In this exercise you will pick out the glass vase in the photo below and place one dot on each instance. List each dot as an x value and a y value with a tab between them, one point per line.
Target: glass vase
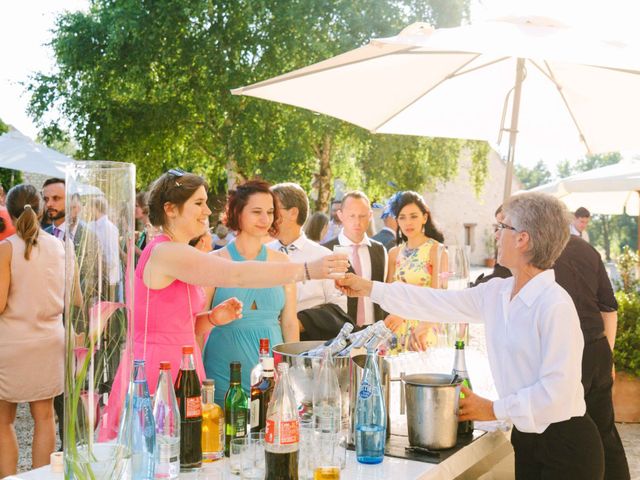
99	247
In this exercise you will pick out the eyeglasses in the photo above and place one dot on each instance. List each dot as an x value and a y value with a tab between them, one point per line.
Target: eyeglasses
176	172
503	226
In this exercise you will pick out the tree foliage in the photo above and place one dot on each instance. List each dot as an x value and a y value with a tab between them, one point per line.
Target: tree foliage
533	177
148	82
8	177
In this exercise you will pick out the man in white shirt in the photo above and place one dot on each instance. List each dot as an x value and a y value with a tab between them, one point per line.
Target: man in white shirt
293	207
578	226
109	239
371	260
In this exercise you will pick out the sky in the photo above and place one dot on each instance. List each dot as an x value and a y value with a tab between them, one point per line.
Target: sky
25	29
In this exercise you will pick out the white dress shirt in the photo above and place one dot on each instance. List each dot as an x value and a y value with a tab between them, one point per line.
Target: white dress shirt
574	231
108	237
365	263
311	292
534	342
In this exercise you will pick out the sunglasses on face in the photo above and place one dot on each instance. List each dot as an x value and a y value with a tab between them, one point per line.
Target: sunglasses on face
503	226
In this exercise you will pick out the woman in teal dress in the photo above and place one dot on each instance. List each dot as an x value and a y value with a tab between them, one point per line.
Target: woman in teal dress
267	312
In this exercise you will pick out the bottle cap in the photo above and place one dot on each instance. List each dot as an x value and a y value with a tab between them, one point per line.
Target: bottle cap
267	363
460	344
209	382
56	461
186	349
235	366
138	362
264	345
164	365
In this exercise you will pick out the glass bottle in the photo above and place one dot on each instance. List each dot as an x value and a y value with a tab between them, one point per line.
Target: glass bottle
263	352
236	408
167	419
327	413
143	427
261	394
371	417
282	436
460	370
212	424
190	405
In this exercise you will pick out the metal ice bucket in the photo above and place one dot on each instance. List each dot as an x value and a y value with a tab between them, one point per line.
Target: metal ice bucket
303	372
432	410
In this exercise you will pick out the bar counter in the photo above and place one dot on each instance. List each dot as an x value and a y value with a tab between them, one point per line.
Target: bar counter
472	461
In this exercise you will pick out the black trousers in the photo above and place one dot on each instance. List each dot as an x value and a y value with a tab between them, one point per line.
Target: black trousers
564	451
58	406
597	362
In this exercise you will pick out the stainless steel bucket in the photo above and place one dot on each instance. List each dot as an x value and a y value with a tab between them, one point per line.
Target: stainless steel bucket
432	410
303	372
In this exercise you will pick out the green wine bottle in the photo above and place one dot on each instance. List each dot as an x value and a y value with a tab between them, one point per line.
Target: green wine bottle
236	408
460	369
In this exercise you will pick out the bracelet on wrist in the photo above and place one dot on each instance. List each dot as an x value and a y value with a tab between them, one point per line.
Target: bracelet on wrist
307	276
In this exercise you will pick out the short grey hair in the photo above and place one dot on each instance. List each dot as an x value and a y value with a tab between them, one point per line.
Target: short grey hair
546	220
292	195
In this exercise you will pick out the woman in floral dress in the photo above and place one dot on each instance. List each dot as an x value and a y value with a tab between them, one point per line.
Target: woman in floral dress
414	260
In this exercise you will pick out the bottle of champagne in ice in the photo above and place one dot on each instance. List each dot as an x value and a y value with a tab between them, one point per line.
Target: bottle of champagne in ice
212	424
263	352
460	370
335	346
371	417
143	427
282	434
167	418
188	394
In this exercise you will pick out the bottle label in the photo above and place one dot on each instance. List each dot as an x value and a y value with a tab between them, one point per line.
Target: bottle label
289	432
254	414
193	407
239	419
365	390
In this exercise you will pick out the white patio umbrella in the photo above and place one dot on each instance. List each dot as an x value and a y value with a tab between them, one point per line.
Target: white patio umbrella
564	90
19	152
610	190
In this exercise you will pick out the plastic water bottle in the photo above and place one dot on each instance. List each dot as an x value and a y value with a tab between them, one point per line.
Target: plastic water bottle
371	417
167	419
143	426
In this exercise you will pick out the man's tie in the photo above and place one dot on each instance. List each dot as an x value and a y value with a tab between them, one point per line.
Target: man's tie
357	267
58	233
287	248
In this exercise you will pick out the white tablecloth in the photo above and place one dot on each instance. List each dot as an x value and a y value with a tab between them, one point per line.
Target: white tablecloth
488	450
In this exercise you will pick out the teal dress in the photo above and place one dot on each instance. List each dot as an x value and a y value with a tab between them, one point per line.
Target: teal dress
239	340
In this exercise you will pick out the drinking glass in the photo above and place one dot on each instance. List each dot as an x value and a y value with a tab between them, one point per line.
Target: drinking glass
454	268
341	250
306	453
237	450
253	462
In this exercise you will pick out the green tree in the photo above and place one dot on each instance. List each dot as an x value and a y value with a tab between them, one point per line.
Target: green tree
8	177
533	177
148	83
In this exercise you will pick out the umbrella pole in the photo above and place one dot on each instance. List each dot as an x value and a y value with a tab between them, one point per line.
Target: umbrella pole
513	128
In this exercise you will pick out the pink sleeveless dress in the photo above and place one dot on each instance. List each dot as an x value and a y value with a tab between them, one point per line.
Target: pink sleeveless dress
167	326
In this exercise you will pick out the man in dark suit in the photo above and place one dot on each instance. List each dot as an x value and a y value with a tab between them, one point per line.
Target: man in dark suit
368	257
387	236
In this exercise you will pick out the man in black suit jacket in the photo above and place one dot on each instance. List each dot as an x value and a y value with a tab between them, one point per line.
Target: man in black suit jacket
371	261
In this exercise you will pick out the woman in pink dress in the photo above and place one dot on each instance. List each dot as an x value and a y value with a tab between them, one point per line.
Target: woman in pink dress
168	283
32	333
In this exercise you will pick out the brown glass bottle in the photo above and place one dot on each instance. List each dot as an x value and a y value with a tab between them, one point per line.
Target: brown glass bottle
261	395
188	395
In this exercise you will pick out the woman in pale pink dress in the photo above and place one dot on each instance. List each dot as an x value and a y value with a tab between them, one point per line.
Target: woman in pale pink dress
32	333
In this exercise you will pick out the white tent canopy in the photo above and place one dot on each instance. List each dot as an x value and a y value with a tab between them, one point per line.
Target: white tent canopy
610	190
19	152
